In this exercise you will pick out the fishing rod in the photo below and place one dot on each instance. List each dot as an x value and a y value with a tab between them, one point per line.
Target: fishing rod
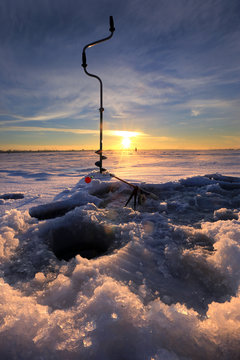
137	193
101	109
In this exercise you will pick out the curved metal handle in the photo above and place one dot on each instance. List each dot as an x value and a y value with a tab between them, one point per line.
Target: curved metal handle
112	28
84	58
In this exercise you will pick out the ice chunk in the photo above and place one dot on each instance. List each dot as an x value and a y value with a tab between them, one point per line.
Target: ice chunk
225	214
197	181
13	196
59	208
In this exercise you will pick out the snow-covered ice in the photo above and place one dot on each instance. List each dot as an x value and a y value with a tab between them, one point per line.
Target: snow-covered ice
97	280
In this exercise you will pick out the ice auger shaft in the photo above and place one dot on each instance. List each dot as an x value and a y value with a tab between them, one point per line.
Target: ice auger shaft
101	109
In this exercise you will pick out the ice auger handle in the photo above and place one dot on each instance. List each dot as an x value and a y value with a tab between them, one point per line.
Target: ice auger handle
112	28
84	60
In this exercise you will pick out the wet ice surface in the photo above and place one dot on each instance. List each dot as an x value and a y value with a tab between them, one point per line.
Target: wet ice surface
161	282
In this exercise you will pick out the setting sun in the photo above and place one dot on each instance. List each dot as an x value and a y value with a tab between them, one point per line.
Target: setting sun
126	142
126	138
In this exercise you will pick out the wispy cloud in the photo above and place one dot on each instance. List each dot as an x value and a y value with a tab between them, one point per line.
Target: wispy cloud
195	112
162	138
234	138
128	134
74	131
22	119
46	129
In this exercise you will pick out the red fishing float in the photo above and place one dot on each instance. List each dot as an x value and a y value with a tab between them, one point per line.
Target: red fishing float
88	179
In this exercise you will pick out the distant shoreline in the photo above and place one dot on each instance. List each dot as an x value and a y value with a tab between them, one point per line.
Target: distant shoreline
40	151
81	150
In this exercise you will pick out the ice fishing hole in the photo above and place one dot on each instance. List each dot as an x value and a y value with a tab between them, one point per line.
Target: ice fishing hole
88	239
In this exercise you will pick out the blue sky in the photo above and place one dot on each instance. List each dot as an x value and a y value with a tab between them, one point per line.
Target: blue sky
171	73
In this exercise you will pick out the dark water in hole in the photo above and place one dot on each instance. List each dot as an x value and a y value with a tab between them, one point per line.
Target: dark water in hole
90	240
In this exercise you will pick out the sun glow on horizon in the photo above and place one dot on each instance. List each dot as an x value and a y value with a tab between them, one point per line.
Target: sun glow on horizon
126	142
126	136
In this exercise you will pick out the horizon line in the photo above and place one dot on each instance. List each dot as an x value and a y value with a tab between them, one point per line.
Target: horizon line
125	150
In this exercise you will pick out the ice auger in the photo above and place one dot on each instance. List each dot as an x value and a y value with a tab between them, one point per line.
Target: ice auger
101	109
137	193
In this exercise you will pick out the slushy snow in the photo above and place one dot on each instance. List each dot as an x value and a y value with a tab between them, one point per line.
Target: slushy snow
103	281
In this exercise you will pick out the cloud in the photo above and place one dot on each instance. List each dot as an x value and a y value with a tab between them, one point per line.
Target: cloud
128	134
46	117
195	112
215	108
162	138
234	138
45	129
74	131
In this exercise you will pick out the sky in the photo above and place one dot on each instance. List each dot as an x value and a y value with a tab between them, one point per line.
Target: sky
171	74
